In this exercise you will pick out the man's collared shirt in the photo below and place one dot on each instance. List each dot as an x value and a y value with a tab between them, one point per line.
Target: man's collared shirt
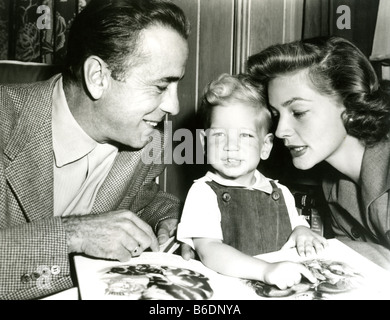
80	163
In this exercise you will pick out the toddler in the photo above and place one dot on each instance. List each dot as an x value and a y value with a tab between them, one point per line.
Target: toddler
234	212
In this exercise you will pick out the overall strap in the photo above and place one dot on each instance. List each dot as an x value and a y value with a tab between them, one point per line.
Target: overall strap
252	221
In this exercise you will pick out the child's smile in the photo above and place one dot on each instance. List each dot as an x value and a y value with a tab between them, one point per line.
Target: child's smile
235	142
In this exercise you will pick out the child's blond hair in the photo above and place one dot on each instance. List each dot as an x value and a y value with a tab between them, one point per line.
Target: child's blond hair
227	89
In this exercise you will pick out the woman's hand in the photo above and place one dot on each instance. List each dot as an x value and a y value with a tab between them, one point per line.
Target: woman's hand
306	241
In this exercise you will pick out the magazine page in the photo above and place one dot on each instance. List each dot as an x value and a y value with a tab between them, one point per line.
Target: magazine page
340	271
156	276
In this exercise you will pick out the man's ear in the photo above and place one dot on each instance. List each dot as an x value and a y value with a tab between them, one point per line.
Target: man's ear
267	146
96	75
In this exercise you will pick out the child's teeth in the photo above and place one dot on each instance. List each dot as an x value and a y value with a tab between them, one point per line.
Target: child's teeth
152	123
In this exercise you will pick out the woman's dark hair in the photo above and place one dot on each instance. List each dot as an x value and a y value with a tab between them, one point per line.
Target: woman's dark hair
336	67
227	89
110	29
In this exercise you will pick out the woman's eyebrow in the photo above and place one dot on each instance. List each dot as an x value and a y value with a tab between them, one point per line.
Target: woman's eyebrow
292	100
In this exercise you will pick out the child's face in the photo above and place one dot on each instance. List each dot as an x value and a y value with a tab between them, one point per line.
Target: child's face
236	142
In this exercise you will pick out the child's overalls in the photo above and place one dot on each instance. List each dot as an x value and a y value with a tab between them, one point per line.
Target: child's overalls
252	221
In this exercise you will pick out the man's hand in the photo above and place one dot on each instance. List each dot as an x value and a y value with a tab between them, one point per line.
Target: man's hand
112	235
166	229
187	252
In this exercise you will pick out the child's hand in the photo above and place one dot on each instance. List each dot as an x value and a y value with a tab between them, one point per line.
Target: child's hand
306	241
286	274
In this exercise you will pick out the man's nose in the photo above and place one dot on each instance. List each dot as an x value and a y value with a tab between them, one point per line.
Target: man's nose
170	104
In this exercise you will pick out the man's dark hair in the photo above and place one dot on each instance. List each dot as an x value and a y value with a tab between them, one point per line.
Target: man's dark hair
110	29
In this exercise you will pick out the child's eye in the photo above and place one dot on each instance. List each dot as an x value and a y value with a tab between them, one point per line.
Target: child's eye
246	135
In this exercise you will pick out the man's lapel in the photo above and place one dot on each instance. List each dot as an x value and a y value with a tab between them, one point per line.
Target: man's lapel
131	170
119	180
30	170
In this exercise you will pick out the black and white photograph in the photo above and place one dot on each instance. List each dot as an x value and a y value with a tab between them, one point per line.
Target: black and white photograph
199	150
340	274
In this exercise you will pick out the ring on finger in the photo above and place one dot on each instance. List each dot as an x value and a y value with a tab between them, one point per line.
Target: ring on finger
135	250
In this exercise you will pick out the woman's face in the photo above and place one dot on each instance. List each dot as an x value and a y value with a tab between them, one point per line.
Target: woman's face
310	123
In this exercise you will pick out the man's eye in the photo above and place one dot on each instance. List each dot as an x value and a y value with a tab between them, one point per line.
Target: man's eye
218	134
162	88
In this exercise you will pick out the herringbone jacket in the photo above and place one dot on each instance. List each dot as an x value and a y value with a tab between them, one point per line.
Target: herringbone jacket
31	238
362	213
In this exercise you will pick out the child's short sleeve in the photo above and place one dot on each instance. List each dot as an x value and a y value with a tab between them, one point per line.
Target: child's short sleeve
201	217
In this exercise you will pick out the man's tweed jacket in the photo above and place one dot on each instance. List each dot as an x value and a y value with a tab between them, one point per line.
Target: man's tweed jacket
31	239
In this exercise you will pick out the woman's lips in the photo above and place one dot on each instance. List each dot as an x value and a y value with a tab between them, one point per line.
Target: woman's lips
297	151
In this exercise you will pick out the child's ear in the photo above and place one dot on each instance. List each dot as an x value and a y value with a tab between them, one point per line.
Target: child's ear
267	146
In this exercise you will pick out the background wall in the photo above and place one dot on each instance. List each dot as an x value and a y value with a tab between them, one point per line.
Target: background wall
224	33
22	40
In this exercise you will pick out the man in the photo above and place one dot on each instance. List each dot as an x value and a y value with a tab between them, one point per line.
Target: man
71	172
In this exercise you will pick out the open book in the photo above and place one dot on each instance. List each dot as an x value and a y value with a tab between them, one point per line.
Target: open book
341	273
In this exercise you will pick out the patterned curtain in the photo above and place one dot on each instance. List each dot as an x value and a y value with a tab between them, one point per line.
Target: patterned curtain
36	30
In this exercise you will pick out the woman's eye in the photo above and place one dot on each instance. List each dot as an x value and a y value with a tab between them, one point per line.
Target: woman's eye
298	114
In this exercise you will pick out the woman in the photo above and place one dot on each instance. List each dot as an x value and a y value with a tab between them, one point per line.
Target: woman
330	107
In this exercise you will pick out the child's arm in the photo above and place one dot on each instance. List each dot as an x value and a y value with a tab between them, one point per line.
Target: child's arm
306	241
228	261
